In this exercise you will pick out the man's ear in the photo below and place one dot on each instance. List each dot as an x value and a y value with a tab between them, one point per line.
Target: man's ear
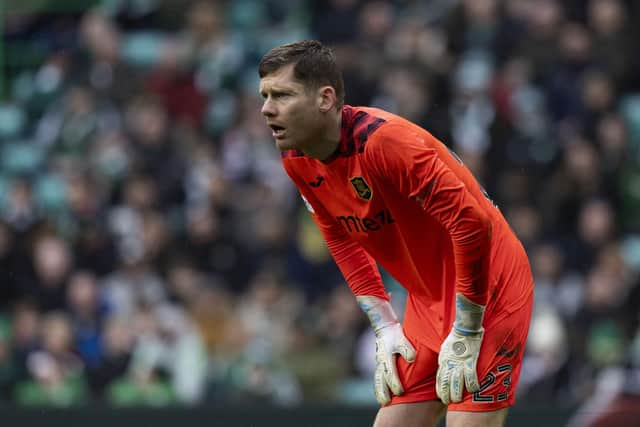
326	98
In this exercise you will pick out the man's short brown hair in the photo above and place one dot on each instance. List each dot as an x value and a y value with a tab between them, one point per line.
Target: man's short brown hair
314	65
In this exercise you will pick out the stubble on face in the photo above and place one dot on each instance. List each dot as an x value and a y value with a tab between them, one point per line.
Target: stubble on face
289	108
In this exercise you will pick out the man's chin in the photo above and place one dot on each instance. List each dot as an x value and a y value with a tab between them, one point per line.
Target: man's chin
283	145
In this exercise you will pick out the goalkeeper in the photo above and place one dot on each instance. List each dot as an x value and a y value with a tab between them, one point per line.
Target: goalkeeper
383	190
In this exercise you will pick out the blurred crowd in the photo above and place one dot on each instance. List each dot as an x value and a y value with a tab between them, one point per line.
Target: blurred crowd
153	252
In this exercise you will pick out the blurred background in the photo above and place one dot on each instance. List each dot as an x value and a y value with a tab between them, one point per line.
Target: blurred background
153	253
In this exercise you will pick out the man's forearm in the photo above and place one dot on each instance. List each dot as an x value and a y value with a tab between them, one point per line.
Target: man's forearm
359	270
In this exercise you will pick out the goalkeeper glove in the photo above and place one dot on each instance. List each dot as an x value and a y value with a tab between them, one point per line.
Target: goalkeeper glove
458	358
390	340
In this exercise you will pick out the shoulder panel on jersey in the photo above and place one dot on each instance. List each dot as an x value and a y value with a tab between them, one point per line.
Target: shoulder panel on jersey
364	125
357	127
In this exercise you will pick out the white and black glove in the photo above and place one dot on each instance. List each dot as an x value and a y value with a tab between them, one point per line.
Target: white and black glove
390	340
458	358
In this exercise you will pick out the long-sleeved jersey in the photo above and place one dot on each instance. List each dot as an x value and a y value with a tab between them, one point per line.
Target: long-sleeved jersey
393	194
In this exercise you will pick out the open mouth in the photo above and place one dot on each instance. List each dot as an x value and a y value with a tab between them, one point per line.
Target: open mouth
278	131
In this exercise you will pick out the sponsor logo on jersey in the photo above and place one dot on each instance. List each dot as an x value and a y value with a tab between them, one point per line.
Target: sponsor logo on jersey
355	224
362	188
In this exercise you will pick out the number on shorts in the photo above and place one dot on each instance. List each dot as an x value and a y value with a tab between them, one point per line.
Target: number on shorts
488	382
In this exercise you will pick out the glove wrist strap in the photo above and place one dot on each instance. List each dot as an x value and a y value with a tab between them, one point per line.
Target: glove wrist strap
468	316
379	311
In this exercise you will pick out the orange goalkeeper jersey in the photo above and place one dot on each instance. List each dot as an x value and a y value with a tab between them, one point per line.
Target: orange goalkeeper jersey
393	194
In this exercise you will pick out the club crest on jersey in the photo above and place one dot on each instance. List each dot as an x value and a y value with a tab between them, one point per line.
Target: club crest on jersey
362	188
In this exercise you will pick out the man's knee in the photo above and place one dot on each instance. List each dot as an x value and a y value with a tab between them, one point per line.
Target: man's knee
477	419
418	414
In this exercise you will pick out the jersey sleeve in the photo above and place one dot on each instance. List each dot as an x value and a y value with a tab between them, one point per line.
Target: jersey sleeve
413	164
358	268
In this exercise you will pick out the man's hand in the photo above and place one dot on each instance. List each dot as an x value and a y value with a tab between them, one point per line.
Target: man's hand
390	340
458	358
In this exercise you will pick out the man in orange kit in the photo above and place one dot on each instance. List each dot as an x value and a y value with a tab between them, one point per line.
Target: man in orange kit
383	190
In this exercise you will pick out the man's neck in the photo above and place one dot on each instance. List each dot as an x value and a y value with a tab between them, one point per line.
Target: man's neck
328	143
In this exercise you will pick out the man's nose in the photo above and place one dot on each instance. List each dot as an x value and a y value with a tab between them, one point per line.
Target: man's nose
267	109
